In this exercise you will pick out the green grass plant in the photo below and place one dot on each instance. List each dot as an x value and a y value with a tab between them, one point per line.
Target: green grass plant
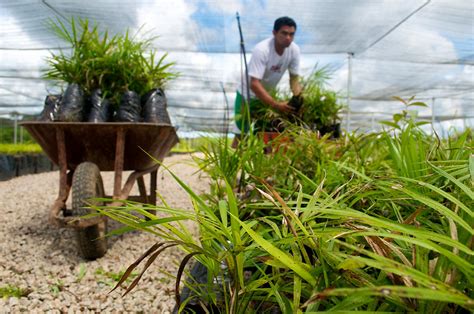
320	105
56	287
12	291
82	272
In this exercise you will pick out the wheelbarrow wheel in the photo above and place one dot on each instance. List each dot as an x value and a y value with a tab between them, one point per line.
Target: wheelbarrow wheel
86	185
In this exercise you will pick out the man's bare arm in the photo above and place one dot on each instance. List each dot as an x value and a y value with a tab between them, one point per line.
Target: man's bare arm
295	85
261	93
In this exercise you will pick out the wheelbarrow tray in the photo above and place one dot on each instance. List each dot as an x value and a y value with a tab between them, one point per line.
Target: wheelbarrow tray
96	142
82	150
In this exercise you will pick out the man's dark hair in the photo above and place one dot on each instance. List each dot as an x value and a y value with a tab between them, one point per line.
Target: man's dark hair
283	21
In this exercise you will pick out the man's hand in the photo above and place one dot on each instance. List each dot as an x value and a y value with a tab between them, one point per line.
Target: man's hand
283	107
265	97
296	102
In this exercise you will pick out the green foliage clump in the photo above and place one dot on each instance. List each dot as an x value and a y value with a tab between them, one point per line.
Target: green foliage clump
10	291
190	145
20	149
318	107
114	64
7	132
376	222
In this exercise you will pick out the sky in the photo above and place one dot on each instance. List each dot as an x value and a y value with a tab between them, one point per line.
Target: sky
399	47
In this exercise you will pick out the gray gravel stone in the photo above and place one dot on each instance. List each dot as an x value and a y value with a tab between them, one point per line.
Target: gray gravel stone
43	259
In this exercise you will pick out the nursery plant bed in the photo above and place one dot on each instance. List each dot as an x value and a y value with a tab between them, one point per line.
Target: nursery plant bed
18	164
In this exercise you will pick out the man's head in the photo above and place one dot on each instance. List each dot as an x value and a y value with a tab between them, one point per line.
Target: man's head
284	31
283	21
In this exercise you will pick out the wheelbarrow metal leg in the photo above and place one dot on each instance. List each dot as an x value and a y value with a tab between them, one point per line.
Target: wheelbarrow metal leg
119	155
142	189
153	176
65	180
131	181
152	196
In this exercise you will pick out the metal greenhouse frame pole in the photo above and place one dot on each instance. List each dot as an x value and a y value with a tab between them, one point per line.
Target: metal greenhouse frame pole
242	50
349	87
15	127
245	104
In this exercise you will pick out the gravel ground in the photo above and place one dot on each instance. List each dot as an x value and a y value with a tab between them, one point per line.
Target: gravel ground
43	261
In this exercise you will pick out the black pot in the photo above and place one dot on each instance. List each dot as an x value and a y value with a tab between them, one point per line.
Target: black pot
333	129
198	277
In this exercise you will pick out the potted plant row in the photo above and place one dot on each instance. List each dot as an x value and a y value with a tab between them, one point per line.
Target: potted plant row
108	78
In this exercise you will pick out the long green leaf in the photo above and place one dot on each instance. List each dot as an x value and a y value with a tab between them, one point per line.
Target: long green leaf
471	166
463	265
461	185
440	208
283	257
447	195
234	223
394	227
402	292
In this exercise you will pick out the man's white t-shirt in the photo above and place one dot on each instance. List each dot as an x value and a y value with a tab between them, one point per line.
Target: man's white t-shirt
268	66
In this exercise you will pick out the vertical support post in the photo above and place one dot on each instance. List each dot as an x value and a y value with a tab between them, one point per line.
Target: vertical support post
15	128
349	87
433	115
118	166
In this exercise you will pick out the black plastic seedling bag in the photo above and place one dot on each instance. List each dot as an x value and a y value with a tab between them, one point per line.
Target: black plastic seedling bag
100	107
130	107
72	104
296	102
198	279
51	108
154	108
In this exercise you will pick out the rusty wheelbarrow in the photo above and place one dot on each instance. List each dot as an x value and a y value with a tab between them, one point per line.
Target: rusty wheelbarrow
82	150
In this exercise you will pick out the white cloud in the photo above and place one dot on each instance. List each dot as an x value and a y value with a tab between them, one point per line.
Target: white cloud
228	6
172	22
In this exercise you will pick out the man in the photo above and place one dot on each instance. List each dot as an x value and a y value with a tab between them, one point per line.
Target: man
270	60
